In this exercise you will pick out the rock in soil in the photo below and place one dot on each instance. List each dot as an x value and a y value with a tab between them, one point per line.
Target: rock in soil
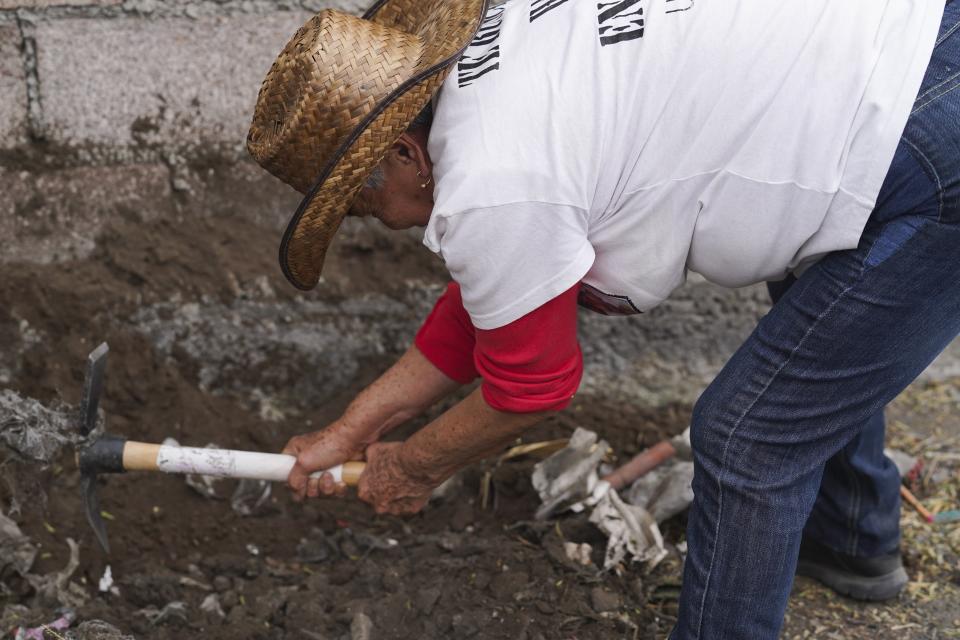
603	600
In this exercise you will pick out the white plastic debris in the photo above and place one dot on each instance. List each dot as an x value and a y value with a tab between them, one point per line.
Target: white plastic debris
106	581
568	479
172	610
16	550
904	461
631	530
250	497
33	432
57	587
211	604
579	553
253	549
681	443
665	491
40	633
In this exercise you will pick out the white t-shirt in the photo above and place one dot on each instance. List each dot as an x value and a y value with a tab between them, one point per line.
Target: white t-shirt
623	142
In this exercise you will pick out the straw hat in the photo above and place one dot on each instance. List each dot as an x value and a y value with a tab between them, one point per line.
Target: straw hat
339	95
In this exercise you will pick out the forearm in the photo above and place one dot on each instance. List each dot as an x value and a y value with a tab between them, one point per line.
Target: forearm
403	392
467	433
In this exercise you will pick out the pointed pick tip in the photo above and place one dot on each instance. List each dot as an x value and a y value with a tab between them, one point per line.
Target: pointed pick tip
91	503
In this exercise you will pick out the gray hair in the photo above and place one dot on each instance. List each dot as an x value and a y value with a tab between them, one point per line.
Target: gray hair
424	119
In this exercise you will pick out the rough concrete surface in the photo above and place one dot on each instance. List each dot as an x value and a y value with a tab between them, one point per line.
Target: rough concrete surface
57	216
168	83
40	4
13	89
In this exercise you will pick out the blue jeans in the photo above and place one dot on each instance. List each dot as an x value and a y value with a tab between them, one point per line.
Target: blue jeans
788	439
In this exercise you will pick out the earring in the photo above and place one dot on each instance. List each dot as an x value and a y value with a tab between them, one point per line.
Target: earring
423	185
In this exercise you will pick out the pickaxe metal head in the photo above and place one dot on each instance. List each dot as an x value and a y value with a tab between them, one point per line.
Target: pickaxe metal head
92	457
92	388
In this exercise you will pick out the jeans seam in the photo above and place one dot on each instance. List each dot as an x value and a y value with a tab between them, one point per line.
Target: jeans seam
946	34
726	446
919	107
932	171
853	539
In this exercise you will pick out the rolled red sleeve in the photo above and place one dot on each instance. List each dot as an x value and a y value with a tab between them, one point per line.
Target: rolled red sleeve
534	363
447	339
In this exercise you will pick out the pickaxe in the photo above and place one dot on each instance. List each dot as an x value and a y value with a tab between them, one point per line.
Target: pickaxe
113	454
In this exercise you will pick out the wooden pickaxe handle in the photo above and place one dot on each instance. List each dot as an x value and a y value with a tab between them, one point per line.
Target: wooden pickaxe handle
224	463
111	455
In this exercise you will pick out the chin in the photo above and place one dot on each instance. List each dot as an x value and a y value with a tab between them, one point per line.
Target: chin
396	225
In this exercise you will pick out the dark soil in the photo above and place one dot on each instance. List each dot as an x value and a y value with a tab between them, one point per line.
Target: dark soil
329	569
456	570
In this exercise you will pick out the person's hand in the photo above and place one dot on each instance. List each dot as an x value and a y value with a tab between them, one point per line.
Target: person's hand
320	450
388	485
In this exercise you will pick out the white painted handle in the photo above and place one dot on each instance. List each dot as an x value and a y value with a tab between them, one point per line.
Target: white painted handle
227	463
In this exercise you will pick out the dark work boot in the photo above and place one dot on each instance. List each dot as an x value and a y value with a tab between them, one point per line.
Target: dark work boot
876	578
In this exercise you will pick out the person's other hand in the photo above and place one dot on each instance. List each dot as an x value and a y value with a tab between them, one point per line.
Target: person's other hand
388	485
320	450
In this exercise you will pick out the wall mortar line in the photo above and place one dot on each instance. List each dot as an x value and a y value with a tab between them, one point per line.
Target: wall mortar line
36	128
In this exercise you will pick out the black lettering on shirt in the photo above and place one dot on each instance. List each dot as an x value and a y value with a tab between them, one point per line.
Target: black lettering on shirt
541	7
619	21
673	6
483	54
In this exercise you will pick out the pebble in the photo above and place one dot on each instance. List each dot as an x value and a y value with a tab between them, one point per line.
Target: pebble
361	628
426	599
222	583
603	600
236	616
391	580
318	582
229	599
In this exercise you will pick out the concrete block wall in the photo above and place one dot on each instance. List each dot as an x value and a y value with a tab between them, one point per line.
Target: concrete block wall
13	88
108	81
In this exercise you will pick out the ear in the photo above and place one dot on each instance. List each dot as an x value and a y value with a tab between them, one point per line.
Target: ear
411	150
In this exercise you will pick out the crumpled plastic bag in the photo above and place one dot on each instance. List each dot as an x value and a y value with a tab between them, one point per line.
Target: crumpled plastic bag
56	588
665	491
16	550
32	432
630	530
40	633
568	479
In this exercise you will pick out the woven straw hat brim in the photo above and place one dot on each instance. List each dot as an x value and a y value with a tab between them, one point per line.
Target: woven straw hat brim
312	227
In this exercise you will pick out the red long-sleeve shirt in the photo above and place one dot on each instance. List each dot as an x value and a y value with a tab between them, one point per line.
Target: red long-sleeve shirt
532	364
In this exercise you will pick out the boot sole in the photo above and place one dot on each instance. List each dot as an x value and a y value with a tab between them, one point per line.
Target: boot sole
871	589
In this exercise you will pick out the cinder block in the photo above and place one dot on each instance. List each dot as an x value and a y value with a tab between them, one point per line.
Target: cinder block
56	216
13	89
150	83
42	4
